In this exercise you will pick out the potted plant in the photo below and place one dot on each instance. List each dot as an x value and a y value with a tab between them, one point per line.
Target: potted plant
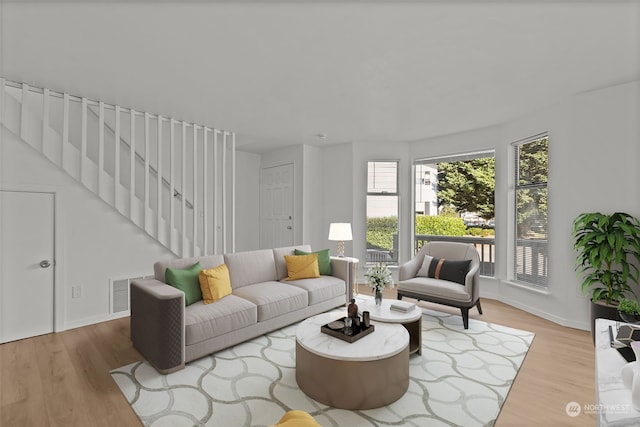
629	310
378	278
608	247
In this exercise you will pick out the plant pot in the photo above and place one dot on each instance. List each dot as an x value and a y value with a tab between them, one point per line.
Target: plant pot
602	310
629	318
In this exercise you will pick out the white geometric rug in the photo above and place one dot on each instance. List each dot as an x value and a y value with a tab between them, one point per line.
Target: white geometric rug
461	379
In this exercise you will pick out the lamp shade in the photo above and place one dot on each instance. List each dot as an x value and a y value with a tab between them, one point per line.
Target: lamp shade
340	231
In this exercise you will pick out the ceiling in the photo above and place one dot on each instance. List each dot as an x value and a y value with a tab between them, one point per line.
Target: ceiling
282	72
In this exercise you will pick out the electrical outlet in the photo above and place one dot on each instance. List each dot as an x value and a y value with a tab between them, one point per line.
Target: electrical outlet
76	292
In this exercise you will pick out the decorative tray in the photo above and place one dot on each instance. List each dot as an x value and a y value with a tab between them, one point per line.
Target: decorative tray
335	330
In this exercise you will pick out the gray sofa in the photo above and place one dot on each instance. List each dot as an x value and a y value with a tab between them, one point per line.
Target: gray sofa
168	334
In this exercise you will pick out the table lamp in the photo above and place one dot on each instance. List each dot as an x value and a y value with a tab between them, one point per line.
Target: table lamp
339	232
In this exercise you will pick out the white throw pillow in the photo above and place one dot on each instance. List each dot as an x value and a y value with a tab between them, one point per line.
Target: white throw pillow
424	269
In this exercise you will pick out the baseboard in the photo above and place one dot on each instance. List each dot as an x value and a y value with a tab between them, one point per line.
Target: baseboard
545	315
489	288
87	321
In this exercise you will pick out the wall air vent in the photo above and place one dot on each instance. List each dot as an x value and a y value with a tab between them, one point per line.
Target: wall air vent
119	294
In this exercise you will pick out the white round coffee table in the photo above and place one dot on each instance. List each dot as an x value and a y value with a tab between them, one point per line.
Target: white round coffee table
411	320
368	373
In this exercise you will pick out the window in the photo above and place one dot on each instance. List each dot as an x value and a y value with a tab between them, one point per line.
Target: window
531	207
382	212
454	202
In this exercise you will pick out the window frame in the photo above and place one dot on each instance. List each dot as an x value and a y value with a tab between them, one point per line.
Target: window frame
492	268
515	175
382	193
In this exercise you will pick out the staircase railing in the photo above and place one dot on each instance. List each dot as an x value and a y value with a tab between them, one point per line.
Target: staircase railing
177	194
138	162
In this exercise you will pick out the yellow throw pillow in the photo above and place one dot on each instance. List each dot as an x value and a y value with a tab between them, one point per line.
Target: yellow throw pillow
215	283
297	418
302	266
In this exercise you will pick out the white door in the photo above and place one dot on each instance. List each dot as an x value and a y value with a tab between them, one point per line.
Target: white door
26	264
276	206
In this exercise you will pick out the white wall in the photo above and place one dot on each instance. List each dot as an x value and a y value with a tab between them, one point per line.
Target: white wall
337	193
312	206
344	179
594	152
593	149
94	242
247	201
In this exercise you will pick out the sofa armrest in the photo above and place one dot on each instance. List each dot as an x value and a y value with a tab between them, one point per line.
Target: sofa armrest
340	268
409	269
471	281
343	268
157	323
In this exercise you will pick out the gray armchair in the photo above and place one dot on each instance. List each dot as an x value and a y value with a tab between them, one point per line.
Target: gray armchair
433	283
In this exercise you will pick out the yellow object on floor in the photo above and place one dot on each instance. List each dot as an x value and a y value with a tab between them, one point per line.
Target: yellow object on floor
297	419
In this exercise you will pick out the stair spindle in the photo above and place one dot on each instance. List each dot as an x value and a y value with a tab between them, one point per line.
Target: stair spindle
46	142
172	188
159	180
146	174
205	201
83	144
116	156
183	172
100	148
194	202
65	131
132	165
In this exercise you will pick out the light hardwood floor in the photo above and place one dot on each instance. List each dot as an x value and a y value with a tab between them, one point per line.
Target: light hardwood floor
63	379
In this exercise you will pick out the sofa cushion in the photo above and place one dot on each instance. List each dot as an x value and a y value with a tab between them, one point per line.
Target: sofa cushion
208	261
274	298
440	268
322	289
324	260
203	322
435	287
278	256
186	279
248	268
302	266
214	283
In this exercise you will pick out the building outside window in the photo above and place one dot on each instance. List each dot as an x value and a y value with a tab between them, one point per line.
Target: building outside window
531	208
382	212
455	201
426	202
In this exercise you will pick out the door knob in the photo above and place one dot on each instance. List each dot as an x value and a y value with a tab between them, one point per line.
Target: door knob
45	263
288	227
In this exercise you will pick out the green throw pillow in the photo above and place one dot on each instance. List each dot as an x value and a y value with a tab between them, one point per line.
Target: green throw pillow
324	260
187	281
